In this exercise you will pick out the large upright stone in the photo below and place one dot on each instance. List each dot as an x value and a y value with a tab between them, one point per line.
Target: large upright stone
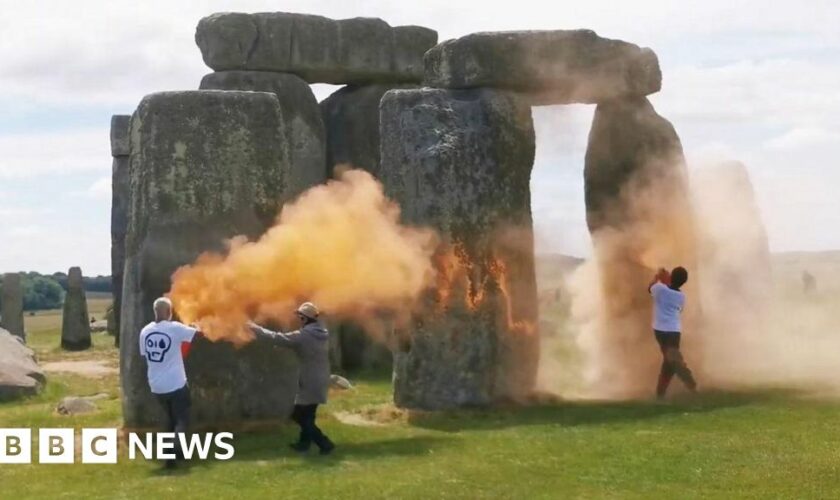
639	214
732	240
20	375
119	213
120	140
12	305
554	67
205	166
303	128
75	322
351	115
460	161
318	49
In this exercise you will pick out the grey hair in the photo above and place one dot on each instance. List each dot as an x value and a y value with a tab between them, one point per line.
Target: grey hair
162	304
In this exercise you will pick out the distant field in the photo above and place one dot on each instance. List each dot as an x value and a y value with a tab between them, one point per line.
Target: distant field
43	328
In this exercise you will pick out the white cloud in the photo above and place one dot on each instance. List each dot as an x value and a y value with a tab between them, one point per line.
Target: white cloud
23	231
800	138
50	247
60	52
32	154
785	92
99	190
751	80
8	213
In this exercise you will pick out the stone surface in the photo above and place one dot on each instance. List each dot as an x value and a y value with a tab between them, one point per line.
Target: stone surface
75	322
639	213
460	161
11	314
351	116
119	213
303	128
554	67
73	405
318	49
205	166
119	135
19	373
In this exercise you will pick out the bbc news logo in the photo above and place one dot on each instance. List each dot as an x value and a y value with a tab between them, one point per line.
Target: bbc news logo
100	446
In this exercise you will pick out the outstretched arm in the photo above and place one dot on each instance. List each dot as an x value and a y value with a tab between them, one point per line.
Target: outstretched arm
279	338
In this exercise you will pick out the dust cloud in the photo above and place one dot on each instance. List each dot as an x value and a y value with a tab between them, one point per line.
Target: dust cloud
750	321
339	245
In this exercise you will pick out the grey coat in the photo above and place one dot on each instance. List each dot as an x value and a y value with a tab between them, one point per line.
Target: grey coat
312	346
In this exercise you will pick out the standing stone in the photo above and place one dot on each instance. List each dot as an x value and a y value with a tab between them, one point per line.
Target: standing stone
639	214
12	312
460	161
20	375
359	351
351	115
205	166
119	214
318	49
733	239
303	128
75	322
552	67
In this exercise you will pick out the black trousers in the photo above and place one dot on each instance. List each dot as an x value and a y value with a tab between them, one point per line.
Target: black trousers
672	362
304	416
176	406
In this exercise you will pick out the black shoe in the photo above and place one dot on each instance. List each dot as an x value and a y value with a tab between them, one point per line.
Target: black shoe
299	447
327	448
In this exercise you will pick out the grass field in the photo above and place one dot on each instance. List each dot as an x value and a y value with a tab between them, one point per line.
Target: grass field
758	444
43	331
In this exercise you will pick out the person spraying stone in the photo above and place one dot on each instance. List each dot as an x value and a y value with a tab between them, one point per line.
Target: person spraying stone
160	344
311	343
668	303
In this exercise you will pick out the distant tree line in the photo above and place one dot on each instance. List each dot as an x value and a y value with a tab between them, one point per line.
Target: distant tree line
90	284
47	291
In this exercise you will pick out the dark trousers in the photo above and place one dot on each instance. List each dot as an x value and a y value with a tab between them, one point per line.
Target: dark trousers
304	416
672	362
176	407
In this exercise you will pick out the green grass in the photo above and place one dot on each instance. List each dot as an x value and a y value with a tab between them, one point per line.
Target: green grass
760	444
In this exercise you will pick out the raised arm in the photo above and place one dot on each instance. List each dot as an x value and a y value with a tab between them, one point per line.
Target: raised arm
660	277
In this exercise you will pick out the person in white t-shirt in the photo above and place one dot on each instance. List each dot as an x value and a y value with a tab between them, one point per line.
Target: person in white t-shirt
160	345
668	303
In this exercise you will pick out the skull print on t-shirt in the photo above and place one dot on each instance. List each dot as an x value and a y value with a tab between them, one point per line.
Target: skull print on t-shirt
157	345
165	366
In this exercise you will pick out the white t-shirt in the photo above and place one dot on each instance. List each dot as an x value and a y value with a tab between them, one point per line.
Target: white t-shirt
160	344
667	306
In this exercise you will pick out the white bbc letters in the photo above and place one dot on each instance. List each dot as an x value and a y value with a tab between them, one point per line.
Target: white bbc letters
56	446
15	446
99	446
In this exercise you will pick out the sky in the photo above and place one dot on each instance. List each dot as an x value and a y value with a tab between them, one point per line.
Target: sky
744	80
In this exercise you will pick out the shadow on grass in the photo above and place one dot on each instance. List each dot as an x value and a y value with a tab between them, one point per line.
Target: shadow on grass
265	447
578	413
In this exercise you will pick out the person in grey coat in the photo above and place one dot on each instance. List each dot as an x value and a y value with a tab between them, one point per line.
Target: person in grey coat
311	343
